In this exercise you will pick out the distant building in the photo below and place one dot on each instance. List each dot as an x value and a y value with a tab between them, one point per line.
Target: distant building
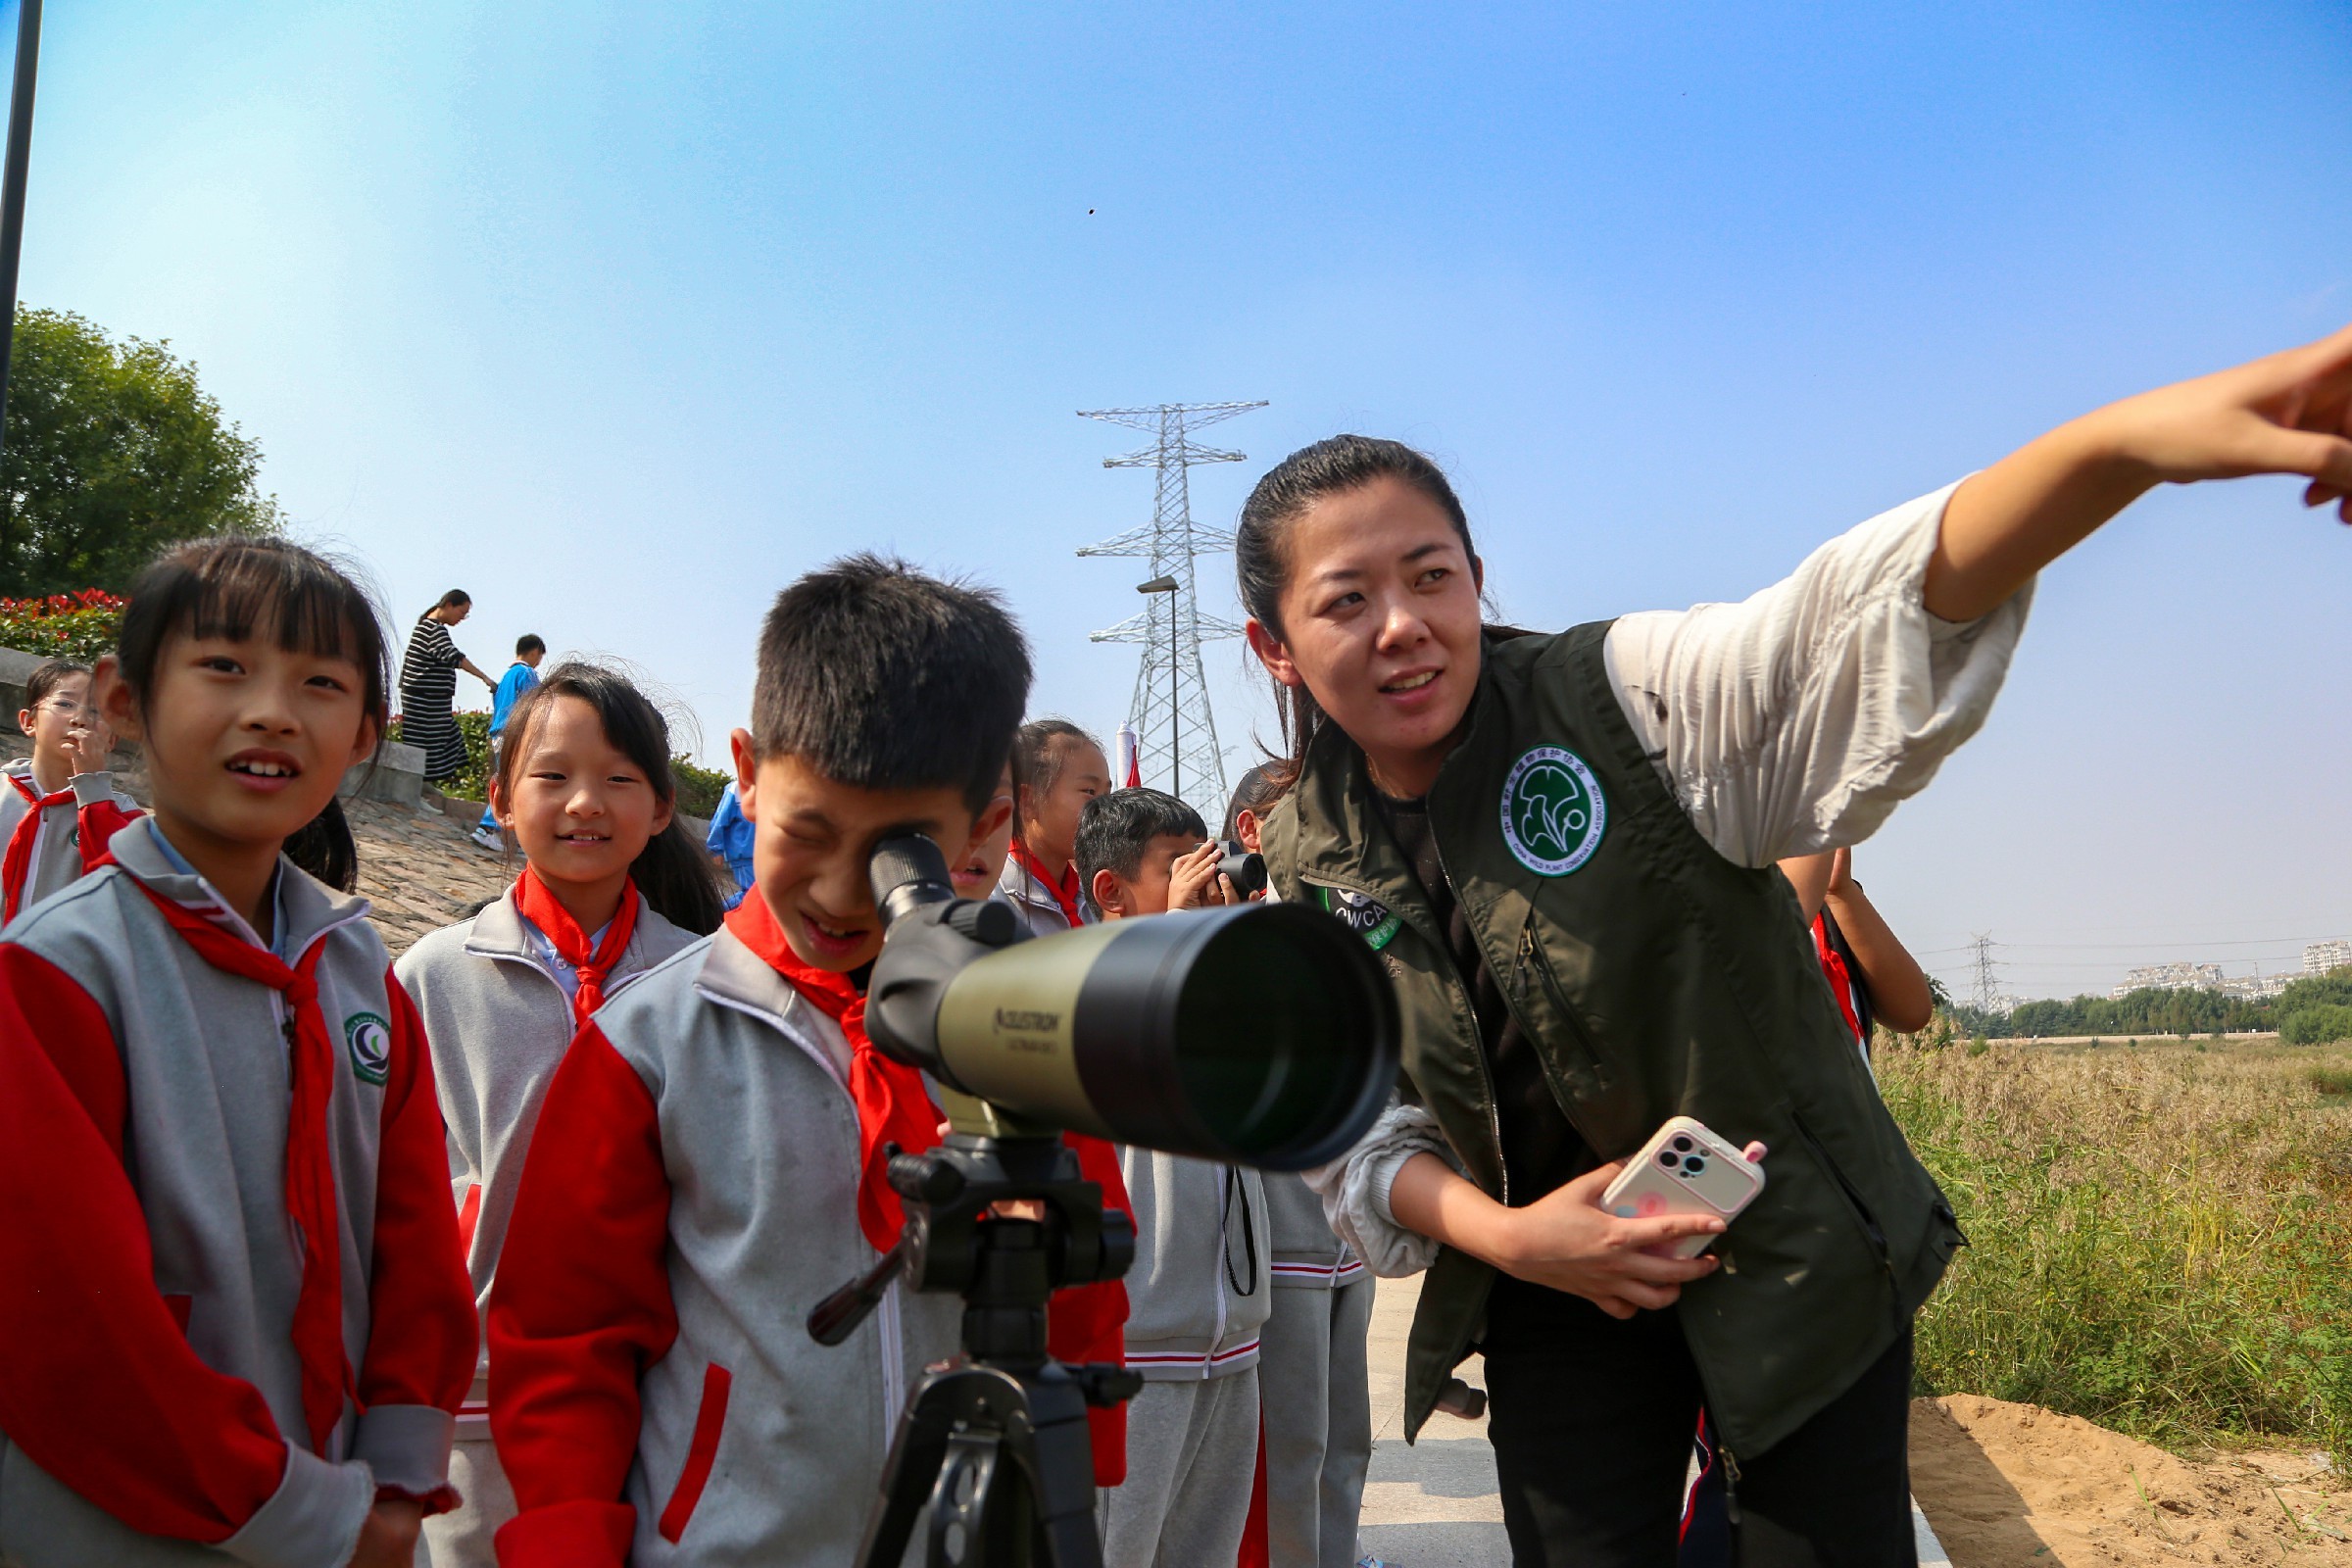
2320	956
2257	987
2170	977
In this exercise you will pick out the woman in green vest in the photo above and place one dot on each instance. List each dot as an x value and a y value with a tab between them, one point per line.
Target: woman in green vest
1562	849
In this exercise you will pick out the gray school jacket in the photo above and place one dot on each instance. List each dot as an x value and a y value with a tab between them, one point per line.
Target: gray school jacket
57	858
753	1442
1035	902
499	1022
189	1063
1197	1293
1307	1256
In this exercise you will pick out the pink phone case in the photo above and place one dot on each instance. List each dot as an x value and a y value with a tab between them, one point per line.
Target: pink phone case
1685	1169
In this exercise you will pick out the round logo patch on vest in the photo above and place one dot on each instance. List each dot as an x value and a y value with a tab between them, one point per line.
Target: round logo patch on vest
369	1038
1552	810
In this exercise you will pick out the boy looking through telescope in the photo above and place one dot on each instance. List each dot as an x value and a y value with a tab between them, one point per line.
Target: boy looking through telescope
710	1161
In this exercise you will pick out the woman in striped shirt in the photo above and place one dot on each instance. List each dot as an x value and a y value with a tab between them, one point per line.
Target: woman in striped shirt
428	686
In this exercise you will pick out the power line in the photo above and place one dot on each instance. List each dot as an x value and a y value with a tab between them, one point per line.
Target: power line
2136	947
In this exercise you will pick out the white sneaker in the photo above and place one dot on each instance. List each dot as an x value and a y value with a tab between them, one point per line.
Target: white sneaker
495	842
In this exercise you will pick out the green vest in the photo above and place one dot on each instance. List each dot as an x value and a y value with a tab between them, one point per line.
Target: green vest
1655	978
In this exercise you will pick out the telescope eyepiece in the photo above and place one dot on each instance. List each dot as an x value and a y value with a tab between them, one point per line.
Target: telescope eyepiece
908	872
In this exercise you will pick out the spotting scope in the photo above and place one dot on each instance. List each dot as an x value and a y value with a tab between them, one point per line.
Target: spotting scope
1260	1033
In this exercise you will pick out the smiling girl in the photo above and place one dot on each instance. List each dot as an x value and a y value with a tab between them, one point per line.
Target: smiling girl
1568	842
612	885
233	1310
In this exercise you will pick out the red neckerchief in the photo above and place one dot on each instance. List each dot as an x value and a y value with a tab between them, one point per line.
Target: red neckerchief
1841	981
546	912
317	1332
1065	891
893	1106
16	870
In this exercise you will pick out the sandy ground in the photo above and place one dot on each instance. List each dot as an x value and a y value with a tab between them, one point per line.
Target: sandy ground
1994	1486
2013	1486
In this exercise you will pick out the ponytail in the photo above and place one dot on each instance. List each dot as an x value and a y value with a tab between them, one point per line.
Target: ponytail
674	873
325	847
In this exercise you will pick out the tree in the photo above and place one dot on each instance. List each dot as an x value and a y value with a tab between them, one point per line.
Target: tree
113	451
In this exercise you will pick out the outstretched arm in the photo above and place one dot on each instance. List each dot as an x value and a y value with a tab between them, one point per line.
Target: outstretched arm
2289	412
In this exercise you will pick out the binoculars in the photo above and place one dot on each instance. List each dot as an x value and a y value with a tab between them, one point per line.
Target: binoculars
1246	868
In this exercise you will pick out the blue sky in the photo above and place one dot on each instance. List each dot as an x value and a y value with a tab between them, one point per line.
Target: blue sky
620	317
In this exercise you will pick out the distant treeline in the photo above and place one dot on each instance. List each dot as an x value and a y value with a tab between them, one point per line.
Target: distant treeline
2307	1012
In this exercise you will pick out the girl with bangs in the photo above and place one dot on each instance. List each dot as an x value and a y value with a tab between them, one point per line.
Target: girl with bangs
612	884
234	1323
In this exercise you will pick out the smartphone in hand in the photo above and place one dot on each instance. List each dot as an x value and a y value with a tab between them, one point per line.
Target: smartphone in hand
1685	1169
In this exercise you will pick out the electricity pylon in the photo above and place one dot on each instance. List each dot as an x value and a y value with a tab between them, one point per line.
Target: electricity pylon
1178	733
1988	984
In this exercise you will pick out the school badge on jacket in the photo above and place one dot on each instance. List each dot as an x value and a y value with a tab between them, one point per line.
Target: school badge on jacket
369	1038
1553	812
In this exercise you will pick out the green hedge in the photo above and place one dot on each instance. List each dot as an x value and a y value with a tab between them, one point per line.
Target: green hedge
2317	1025
698	788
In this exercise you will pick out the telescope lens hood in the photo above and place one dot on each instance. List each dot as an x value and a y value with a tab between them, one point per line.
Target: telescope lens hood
1262	1035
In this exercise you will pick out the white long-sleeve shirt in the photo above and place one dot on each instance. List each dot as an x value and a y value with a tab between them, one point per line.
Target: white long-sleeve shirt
1794	721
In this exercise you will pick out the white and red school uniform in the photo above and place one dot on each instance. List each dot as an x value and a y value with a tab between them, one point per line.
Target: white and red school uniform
705	1170
233	1309
1045	904
51	839
501	995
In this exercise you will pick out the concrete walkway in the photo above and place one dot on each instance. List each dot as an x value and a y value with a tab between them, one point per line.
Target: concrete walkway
1435	1503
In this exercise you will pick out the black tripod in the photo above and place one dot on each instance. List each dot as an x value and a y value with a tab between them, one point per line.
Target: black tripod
1004	1404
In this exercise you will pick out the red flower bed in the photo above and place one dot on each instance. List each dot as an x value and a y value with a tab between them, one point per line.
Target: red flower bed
78	626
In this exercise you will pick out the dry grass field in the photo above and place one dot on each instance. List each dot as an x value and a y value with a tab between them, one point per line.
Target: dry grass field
2161	1234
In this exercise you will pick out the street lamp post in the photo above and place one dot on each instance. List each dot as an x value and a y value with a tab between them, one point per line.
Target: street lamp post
12	178
1164	584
